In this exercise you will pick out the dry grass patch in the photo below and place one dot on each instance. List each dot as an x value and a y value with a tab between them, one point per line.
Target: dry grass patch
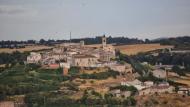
183	80
163	100
137	48
27	48
7	104
100	86
2	65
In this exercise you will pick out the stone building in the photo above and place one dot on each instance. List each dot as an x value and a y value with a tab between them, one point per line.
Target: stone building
184	90
84	60
104	42
122	68
34	57
159	73
119	93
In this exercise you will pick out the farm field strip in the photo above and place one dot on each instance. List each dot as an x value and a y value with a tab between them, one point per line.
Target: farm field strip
27	48
137	48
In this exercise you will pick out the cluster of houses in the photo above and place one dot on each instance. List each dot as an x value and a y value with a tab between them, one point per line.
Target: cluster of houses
149	87
80	55
144	88
76	54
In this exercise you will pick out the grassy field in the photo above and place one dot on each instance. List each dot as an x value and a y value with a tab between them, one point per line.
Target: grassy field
18	78
27	48
137	48
183	79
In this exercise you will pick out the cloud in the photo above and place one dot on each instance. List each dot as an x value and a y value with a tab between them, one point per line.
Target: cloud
15	10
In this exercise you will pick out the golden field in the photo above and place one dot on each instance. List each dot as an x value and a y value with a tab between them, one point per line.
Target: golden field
182	79
137	48
27	48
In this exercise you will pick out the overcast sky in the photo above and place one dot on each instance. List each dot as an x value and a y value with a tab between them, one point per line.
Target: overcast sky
54	19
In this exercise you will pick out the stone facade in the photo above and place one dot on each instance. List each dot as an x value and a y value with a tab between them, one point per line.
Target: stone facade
84	60
122	68
34	57
159	73
119	93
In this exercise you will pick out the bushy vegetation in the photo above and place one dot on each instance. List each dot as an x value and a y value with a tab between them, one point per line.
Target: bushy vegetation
150	77
179	42
89	98
100	75
74	71
23	79
178	70
137	66
12	58
130	101
50	99
165	58
144	71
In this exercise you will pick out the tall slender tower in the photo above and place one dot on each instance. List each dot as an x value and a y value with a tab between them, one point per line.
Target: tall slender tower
104	42
70	37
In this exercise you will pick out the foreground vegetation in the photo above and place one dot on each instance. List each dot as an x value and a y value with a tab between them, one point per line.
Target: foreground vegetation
23	79
89	98
41	87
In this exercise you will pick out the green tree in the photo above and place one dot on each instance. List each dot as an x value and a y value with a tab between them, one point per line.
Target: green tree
177	70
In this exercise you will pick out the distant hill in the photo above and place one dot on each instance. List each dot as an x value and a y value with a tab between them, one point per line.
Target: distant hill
178	42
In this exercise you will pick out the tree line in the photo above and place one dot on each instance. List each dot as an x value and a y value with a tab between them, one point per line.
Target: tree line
13	58
178	42
96	40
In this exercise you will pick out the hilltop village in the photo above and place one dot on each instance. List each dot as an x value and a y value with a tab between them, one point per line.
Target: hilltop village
90	59
76	54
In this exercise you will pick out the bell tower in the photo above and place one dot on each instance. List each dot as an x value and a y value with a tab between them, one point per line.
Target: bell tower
104	42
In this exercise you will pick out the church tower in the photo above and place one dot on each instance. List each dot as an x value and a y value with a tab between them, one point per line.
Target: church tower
104	41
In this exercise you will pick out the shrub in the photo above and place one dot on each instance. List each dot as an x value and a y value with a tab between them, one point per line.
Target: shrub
130	101
73	70
101	75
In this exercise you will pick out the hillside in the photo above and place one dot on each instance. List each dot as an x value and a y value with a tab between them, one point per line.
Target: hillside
163	100
137	48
